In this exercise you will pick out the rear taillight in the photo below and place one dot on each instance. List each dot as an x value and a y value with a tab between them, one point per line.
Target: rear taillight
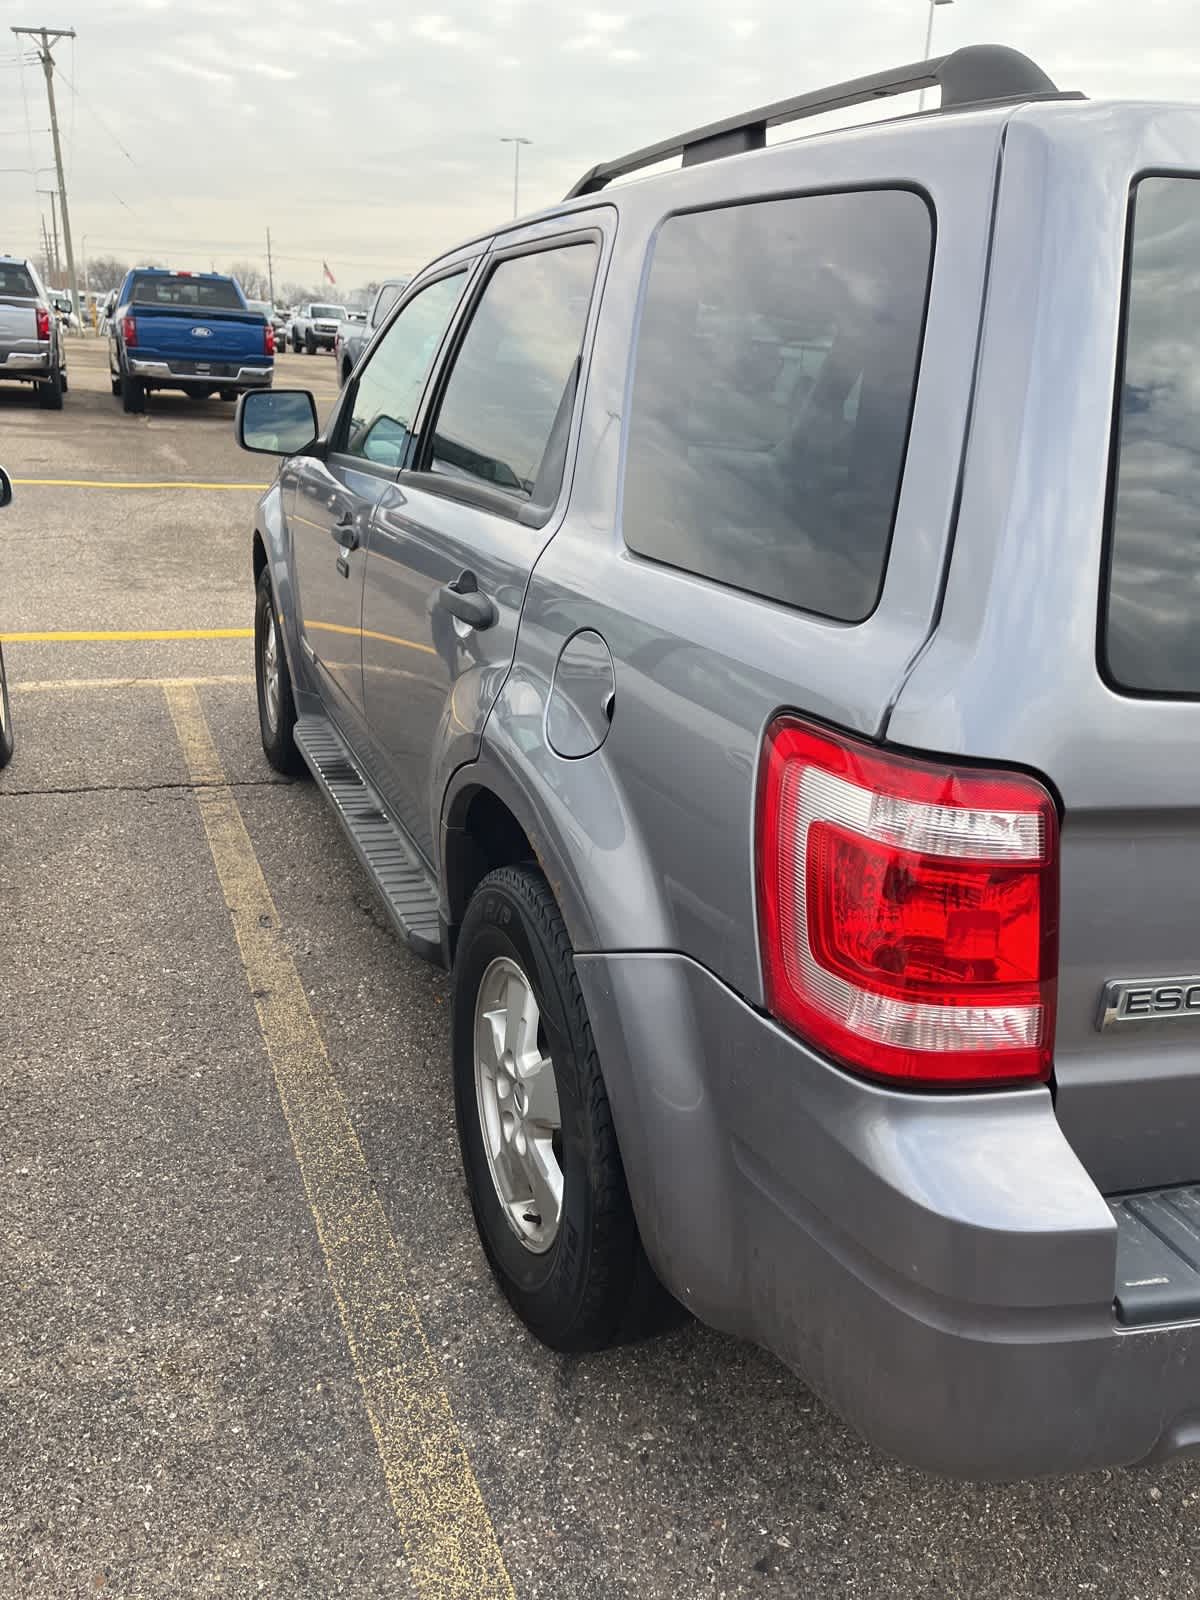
43	323
908	910
128	331
269	340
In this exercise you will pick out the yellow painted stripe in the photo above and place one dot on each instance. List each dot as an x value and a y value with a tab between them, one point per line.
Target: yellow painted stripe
448	1536
123	635
107	483
51	685
367	633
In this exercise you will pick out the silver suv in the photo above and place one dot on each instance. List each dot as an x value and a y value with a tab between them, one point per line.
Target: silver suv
748	624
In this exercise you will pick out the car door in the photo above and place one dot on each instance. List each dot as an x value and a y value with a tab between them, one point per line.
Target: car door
336	493
455	538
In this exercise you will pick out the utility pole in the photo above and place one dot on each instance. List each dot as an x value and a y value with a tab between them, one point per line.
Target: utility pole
48	38
270	270
55	259
46	252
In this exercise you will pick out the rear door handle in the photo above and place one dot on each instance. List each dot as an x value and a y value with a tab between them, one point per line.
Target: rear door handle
463	599
345	531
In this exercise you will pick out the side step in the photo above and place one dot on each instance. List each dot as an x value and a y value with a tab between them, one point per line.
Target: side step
392	864
1158	1255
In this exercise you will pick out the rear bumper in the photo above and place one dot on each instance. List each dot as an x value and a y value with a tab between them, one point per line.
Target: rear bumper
30	360
220	375
941	1269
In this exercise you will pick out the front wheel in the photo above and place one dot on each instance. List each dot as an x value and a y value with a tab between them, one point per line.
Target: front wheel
276	704
543	1170
310	345
6	726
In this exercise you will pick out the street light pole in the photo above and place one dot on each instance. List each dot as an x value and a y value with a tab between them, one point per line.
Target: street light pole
929	39
516	143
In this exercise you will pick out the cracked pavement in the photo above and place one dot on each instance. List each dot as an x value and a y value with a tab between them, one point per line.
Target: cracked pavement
181	1415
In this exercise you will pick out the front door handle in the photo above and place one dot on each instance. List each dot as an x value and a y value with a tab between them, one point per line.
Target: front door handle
463	599
345	531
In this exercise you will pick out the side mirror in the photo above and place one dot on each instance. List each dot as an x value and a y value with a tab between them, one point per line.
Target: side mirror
276	422
5	488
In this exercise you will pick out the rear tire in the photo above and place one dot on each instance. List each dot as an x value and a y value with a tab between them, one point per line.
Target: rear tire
580	1279
227	394
6	726
50	392
133	395
116	384
276	703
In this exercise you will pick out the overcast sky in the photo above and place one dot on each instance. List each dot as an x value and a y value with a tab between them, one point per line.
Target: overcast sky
367	134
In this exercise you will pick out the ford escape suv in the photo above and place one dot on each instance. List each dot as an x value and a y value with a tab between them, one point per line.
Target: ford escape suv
747	621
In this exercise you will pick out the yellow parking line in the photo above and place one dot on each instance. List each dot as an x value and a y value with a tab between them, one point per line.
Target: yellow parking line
123	635
107	483
448	1535
48	685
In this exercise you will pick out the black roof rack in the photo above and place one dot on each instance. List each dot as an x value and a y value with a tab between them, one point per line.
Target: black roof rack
980	74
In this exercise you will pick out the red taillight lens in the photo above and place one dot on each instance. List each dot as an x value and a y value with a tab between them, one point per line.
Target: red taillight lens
269	340
128	331
908	911
43	323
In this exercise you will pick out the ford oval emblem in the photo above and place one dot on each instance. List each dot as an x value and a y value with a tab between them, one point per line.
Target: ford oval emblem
201	333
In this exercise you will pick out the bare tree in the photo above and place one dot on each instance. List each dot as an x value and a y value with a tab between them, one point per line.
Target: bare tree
254	282
104	273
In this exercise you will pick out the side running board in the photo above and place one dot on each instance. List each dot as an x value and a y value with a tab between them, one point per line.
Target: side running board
396	871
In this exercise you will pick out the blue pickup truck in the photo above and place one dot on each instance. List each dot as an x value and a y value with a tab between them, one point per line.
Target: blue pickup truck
192	331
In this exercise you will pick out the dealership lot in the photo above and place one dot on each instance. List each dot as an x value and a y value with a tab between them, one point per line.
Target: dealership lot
251	1343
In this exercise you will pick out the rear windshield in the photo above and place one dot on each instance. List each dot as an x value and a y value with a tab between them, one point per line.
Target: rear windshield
776	365
1151	640
165	289
333	313
15	280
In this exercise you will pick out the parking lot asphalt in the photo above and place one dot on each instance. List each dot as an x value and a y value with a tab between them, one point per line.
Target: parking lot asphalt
250	1346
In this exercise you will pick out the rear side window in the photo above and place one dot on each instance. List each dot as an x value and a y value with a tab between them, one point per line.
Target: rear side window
166	289
776	366
15	280
507	407
1151	637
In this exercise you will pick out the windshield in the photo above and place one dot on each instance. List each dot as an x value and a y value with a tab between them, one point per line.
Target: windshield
15	279
167	289
333	313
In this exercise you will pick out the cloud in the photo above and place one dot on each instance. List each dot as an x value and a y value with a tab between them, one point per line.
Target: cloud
192	69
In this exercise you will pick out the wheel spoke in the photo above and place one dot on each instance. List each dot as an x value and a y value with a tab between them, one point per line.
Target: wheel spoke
545	1180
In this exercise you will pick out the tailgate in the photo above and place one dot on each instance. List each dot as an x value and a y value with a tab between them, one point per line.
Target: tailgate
1069	641
18	320
188	335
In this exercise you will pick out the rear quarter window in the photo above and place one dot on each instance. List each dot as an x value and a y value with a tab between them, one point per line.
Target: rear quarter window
775	371
1150	635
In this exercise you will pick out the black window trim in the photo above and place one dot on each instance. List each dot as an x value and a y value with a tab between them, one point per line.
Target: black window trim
1112	484
899	186
418	475
335	435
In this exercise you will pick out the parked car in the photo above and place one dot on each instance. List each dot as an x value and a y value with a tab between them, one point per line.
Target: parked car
315	326
6	725
31	342
192	331
775	695
354	336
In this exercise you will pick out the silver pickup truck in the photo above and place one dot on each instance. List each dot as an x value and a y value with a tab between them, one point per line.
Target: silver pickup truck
31	347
